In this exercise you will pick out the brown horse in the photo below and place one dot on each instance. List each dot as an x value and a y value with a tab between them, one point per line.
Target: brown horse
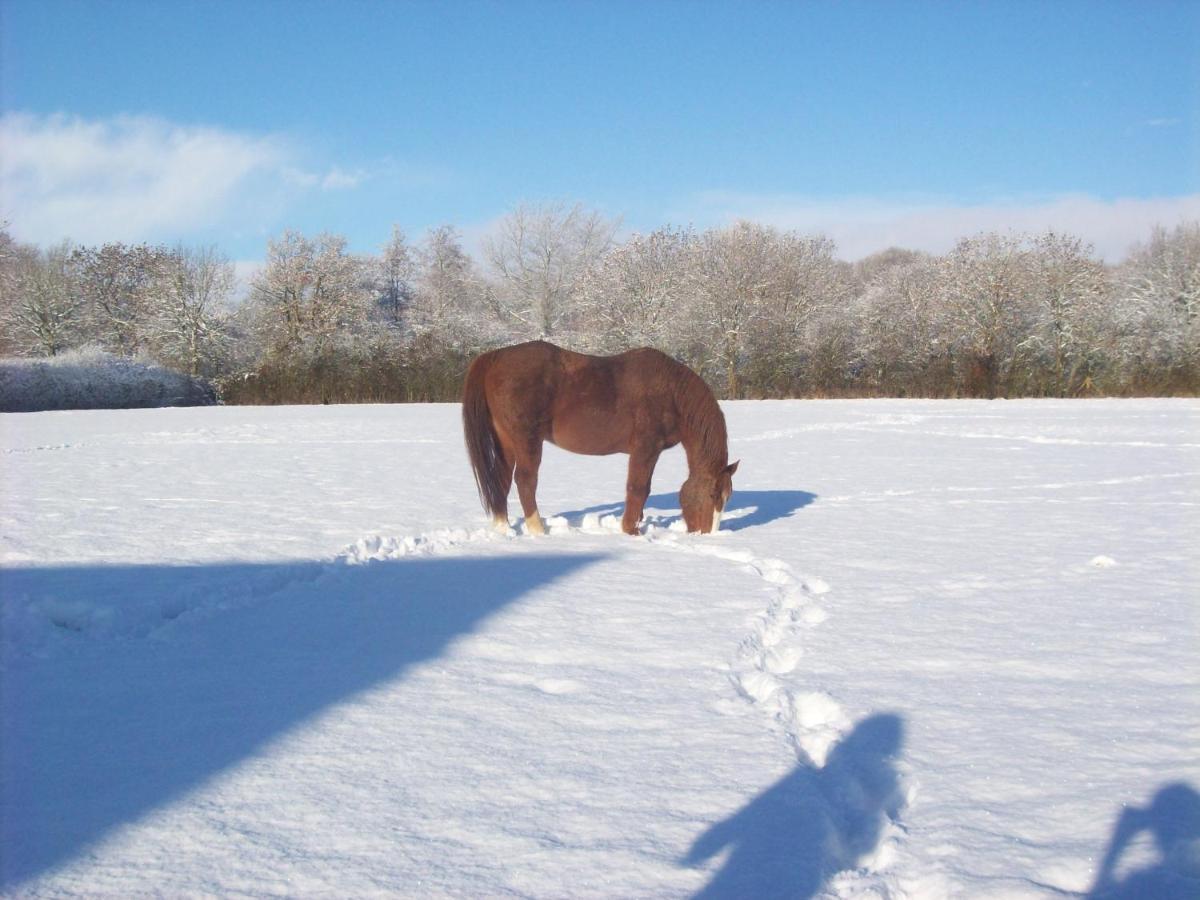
640	402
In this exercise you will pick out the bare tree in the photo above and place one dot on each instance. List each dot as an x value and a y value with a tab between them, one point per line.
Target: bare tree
11	254
190	326
1069	327
756	290
117	283
538	257
731	273
1159	295
638	293
309	290
987	290
449	299
42	308
393	272
897	321
802	330
45	312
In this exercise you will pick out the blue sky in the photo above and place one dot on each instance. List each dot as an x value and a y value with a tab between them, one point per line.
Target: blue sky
877	123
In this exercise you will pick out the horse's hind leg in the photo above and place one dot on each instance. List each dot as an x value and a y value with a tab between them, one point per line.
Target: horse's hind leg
529	459
500	521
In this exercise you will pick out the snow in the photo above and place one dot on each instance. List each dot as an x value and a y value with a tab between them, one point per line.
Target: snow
937	649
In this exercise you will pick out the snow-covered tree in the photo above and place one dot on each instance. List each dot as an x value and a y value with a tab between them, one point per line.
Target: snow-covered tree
1158	291
448	300
190	323
755	290
987	291
42	309
393	272
1070	326
638	294
538	257
308	291
117	282
896	320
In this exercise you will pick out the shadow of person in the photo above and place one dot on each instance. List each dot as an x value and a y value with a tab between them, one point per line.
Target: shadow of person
812	823
1173	820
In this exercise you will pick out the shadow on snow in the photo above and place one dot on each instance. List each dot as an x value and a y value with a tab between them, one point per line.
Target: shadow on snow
1172	819
103	733
747	509
812	823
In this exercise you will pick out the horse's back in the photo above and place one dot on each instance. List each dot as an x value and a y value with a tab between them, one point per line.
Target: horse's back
583	403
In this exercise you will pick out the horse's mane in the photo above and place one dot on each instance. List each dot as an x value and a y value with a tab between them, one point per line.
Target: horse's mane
702	424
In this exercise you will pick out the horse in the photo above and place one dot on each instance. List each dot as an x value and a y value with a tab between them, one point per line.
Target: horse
640	402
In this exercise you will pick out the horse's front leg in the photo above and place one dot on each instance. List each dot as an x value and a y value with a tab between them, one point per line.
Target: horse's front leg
637	487
529	460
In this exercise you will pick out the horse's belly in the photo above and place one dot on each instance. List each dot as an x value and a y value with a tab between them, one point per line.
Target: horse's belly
590	431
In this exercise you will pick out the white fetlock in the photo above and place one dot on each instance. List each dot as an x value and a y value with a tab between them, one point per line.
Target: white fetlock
534	524
500	523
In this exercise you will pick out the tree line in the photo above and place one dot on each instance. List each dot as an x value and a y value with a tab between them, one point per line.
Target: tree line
757	311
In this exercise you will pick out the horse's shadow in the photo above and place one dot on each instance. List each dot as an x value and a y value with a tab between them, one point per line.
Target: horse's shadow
746	509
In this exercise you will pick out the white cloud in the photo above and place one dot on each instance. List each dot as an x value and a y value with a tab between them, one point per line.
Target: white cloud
244	271
338	179
126	178
139	178
862	225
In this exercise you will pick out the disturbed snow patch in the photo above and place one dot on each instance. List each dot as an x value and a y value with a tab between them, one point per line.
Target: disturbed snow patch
853	768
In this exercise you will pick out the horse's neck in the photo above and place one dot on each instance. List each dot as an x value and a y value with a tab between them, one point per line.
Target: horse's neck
704	440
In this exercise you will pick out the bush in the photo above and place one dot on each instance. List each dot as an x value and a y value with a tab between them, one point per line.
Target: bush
90	378
422	371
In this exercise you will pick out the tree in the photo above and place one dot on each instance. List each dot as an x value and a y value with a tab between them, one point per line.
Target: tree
538	257
190	323
986	289
117	284
802	330
42	307
638	293
308	291
899	332
448	300
756	291
1159	293
11	254
393	272
1070	325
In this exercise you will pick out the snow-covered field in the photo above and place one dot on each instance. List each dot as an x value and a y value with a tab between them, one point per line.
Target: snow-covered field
938	649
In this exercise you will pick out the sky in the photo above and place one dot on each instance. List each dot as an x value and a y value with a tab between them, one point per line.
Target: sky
876	123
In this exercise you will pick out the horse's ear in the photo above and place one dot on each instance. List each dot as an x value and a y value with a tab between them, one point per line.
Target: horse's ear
732	468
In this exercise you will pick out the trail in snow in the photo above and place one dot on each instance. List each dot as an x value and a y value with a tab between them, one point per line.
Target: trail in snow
812	720
845	774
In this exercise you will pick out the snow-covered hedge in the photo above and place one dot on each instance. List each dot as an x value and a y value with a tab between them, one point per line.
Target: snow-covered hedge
91	378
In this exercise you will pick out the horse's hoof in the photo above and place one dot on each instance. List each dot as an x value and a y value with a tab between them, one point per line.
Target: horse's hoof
535	525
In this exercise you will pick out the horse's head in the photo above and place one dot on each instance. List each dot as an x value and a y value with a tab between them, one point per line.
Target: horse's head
703	498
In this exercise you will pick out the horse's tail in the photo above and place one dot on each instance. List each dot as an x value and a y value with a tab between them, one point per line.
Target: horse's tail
483	444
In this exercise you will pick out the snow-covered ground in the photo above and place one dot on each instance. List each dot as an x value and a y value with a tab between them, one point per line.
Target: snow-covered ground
938	649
